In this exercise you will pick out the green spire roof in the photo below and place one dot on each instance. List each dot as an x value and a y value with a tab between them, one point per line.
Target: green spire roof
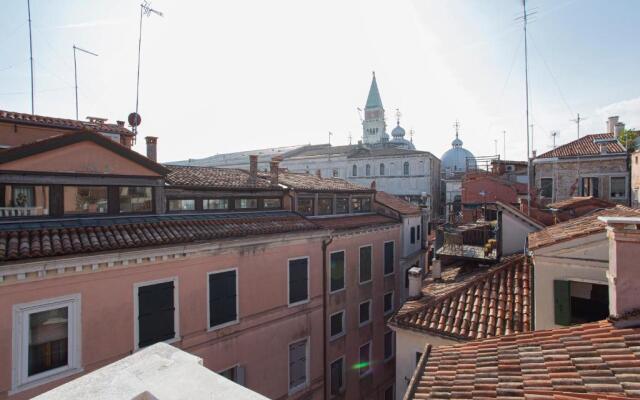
373	100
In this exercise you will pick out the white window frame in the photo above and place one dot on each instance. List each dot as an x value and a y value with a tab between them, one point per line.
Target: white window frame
20	347
308	299
300	387
176	312
393	345
552	187
344	376
369	369
370	267
394	258
237	320
626	187
344	275
344	332
361	324
240	374
387	312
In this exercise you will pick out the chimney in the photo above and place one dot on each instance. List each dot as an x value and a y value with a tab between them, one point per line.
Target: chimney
623	274
319	173
253	166
533	153
373	185
152	147
611	123
436	269
120	123
415	282
274	171
618	129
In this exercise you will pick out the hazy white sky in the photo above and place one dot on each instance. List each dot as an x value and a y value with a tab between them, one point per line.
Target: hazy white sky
222	76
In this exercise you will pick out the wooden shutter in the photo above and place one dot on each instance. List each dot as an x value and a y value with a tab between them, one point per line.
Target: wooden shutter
337	271
222	298
562	302
413	234
298	280
388	258
297	364
336	377
336	324
155	313
365	264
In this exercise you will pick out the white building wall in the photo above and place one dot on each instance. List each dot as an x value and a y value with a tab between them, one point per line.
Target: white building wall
514	234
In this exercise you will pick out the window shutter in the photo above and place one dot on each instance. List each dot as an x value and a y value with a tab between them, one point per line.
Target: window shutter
297	364
413	234
298	277
240	371
155	313
388	258
365	264
222	298
562	301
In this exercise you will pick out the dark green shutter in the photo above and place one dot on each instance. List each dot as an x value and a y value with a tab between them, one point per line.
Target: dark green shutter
298	277
222	298
155	313
562	301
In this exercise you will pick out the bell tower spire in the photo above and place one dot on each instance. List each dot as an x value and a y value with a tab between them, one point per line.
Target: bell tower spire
373	125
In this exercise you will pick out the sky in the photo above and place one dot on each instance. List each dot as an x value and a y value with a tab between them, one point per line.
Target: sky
224	76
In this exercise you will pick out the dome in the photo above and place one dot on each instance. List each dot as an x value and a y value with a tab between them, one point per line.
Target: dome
455	159
397	132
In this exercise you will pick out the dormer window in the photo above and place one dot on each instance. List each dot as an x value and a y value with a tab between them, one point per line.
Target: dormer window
24	201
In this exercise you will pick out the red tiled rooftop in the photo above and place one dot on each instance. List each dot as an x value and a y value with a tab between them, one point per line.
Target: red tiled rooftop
396	203
578	227
582	361
573	202
354	221
62	123
585	146
493	302
214	177
313	183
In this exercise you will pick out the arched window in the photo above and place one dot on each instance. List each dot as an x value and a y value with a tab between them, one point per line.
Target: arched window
368	170
406	168
381	169
354	171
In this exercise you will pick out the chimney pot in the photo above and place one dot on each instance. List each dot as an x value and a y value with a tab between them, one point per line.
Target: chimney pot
415	282
611	123
253	166
373	185
618	129
274	170
152	147
436	269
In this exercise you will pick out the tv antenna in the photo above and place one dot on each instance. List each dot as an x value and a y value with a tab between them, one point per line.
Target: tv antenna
75	70
577	121
553	136
30	53
145	9
504	144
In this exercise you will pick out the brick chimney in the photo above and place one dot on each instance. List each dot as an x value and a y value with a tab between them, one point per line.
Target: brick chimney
274	170
624	271
253	166
152	147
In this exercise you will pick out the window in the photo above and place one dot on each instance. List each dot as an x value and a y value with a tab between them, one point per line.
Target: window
46	340
182	205
546	187
365	359
388	345
297	365
272	203
337	271
405	168
388	303
418	231
382	169
234	374
365	313
589	187
136	199
305	205
215	204
365	264
580	302
156	314
223	298
354	170
418	357
618	187
389	393
25	201
367	169
335	173
336	325
413	235
325	206
298	280
85	199
337	376
388	258
342	205
360	204
246	203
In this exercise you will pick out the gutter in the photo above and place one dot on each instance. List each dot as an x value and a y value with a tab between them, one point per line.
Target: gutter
325	313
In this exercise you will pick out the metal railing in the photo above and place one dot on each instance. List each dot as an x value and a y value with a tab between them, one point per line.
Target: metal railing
21	211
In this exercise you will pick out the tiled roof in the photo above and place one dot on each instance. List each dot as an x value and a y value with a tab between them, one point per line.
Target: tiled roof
350	150
354	221
494	303
573	202
396	203
214	177
577	227
520	215
61	123
595	358
585	146
34	239
311	182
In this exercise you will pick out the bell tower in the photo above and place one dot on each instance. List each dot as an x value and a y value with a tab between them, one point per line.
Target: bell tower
373	125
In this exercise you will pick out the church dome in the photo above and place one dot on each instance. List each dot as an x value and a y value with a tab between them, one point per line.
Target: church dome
398	132
456	159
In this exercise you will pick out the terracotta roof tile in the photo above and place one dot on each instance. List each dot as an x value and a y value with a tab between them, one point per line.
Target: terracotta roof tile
567	363
34	239
354	221
214	177
577	227
585	146
396	203
311	182
62	123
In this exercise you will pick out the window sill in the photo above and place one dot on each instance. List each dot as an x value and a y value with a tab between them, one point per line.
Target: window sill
365	282
366	374
298	303
221	326
35	382
337	291
298	388
363	324
336	337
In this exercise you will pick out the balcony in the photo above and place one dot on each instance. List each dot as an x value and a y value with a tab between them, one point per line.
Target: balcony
13	212
474	241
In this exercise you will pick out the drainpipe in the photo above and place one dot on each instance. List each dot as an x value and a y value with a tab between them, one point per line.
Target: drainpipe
325	245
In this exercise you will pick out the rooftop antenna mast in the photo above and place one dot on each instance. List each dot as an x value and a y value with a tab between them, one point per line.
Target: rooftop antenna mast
75	71
577	121
30	54
145	9
504	144
553	136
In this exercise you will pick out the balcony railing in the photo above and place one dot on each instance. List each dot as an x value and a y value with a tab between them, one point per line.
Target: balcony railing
22	211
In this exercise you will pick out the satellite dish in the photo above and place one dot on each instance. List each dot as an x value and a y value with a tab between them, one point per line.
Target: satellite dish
134	119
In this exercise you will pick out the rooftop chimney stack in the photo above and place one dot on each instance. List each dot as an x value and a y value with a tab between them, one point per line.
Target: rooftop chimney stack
611	123
373	185
253	166
618	129
152	148
274	170
415	282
